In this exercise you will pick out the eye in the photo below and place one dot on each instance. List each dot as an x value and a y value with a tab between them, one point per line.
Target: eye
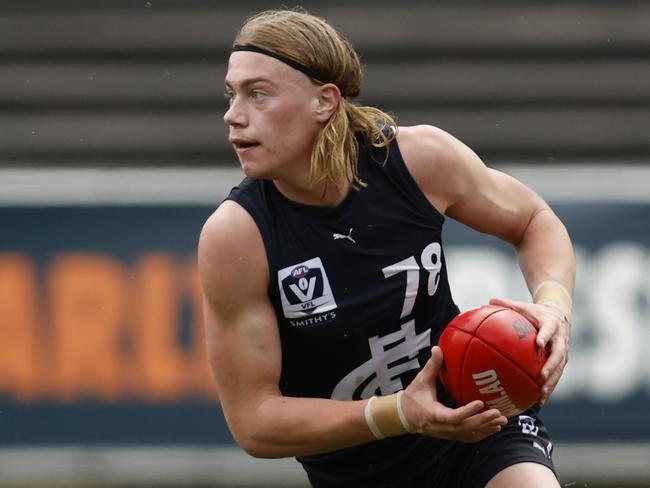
257	95
230	96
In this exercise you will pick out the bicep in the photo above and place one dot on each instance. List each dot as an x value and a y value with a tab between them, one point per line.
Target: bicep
458	184
241	327
244	353
494	203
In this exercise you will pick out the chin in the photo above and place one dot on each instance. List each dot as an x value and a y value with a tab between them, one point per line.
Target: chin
253	170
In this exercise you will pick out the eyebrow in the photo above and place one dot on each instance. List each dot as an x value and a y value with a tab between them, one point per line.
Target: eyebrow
249	81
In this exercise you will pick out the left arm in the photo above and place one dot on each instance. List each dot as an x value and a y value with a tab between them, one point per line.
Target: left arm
458	184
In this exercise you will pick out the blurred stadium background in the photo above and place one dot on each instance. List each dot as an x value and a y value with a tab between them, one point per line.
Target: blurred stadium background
113	153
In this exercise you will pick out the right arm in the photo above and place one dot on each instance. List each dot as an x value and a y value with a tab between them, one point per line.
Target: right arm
245	356
244	350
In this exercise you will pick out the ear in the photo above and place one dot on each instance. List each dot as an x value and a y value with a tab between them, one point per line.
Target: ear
328	99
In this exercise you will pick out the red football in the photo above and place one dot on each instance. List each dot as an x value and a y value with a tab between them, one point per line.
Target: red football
490	355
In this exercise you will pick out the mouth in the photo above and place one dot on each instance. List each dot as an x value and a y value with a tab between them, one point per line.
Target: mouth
243	144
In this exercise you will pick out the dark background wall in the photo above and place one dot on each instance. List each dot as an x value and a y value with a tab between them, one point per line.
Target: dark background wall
121	83
100	327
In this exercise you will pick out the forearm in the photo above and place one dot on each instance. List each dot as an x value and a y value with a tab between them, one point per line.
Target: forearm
545	252
285	426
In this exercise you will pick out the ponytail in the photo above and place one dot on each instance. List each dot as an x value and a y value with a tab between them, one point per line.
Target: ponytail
336	149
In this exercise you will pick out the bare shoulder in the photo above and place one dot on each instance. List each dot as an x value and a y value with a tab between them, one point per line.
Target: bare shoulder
424	136
228	225
460	185
231	255
429	145
441	165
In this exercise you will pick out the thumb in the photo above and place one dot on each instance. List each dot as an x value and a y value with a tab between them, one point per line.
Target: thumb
425	380
434	364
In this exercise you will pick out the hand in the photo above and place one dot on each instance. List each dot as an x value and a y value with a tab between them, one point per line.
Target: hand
430	417
553	328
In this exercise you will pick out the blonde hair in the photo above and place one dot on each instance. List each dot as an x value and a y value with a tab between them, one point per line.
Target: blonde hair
314	44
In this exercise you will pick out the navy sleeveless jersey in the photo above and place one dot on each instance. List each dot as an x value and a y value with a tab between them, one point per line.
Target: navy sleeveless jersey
361	293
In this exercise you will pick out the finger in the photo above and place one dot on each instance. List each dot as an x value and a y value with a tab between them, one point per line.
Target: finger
554	324
434	364
480	426
549	386
556	357
472	428
485	431
453	418
550	329
480	419
437	356
464	412
522	307
545	329
425	380
503	302
489	417
553	376
546	332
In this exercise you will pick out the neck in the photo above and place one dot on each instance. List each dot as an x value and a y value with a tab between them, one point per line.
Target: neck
322	194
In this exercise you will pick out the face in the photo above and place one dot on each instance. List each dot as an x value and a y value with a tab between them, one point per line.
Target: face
273	117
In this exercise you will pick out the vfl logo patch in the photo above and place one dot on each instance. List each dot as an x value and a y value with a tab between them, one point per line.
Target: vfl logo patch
305	290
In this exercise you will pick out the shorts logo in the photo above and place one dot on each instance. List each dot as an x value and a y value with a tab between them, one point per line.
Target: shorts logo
547	451
305	290
527	425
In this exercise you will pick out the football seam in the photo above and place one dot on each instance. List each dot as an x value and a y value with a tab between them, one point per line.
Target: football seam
498	352
458	379
462	369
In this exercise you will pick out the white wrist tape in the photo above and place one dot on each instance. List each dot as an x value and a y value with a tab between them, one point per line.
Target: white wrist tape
555	294
385	417
559	307
370	421
400	412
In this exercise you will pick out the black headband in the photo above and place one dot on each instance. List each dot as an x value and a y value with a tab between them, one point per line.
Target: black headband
316	75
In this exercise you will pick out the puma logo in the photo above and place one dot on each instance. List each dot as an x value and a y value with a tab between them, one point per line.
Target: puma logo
343	236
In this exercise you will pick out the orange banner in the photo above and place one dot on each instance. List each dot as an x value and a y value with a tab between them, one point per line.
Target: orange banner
91	327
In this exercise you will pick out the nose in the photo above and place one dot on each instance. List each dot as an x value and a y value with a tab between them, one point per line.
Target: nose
235	115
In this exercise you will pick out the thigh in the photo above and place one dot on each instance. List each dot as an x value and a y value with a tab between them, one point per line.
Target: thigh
524	475
522	448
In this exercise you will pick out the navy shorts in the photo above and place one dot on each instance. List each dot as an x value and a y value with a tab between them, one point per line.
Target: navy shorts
434	463
464	465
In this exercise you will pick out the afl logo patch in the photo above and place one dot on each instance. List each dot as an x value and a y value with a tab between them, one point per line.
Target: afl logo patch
300	271
305	289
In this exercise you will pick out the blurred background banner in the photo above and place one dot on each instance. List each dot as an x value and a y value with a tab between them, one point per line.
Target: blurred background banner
113	153
100	315
100	318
